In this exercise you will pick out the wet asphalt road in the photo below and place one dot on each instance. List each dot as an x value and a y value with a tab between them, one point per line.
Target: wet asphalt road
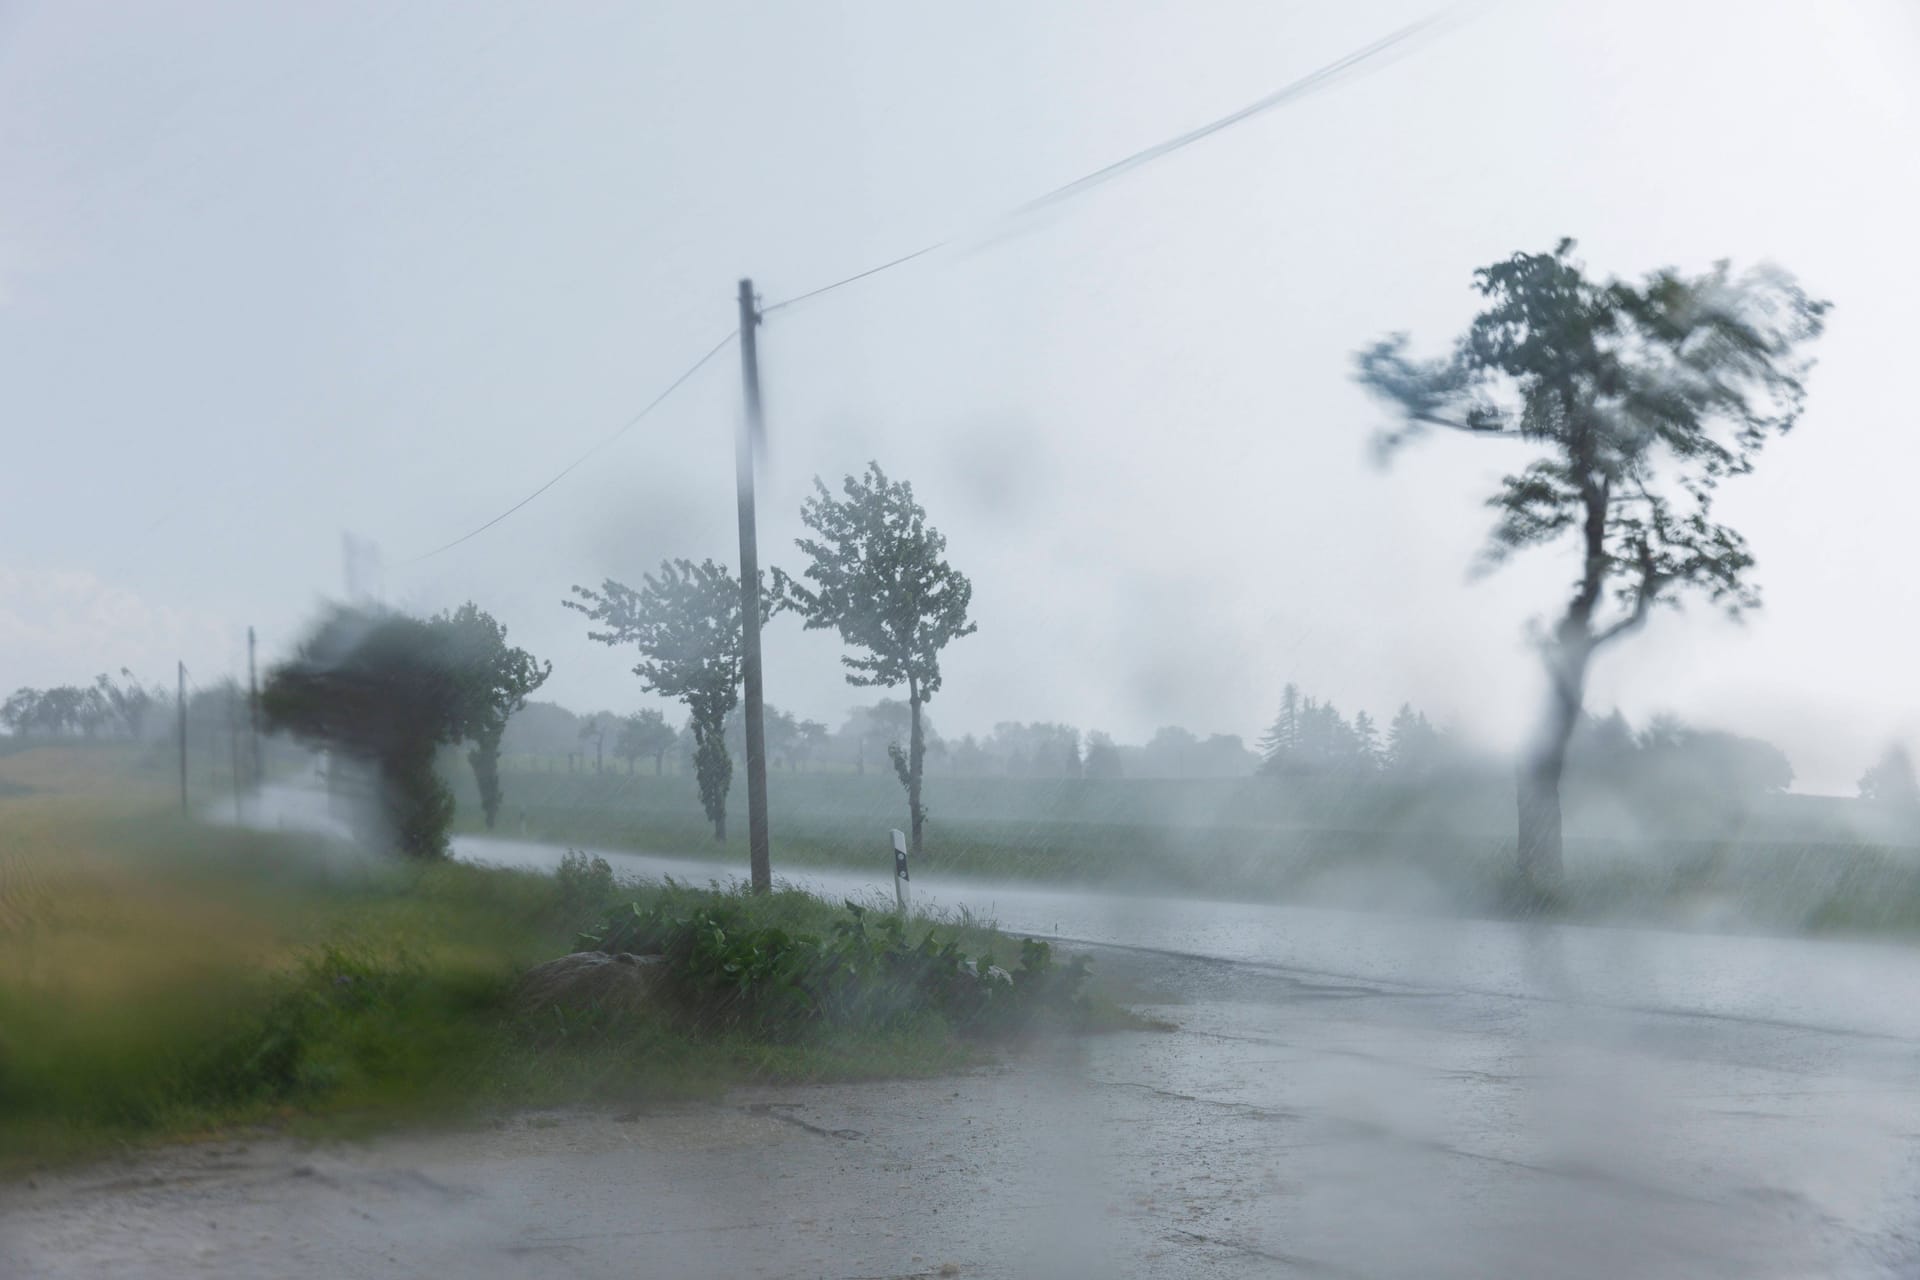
1344	1095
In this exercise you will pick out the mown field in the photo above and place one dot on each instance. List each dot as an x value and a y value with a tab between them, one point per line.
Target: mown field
1782	862
163	978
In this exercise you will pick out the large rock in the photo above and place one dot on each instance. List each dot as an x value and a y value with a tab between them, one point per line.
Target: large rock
588	981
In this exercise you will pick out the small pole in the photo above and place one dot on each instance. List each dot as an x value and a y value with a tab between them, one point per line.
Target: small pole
253	711
180	703
900	876
233	744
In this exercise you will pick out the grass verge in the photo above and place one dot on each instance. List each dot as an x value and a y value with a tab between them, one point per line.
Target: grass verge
161	979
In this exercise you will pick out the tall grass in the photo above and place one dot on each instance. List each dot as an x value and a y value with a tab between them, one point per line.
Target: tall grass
160	977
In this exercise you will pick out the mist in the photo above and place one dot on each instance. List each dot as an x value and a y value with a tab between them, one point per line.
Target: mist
1331	627
1176	343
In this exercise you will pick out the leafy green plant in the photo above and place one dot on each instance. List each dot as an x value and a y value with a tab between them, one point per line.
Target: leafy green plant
772	983
584	882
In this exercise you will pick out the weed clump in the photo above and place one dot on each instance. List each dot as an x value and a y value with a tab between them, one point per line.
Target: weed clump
728	971
584	881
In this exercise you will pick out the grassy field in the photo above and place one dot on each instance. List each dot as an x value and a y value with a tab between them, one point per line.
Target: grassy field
161	978
1778	862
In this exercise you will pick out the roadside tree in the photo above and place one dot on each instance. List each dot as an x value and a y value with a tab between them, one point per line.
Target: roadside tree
879	577
498	678
1640	398
685	620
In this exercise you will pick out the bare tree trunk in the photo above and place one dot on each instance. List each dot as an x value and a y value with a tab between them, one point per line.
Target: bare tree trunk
1541	861
1541	846
916	757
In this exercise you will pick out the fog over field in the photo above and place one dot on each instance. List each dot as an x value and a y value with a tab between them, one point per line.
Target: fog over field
272	275
1329	630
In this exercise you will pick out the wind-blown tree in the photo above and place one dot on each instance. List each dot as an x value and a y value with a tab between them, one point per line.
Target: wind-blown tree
1414	746
1891	780
95	711
887	721
499	677
21	711
129	702
1310	736
880	579
77	706
1282	738
809	736
780	731
385	689
594	730
645	733
1641	397
1366	742
685	620
1172	752
43	711
1681	760
65	708
1103	758
29	710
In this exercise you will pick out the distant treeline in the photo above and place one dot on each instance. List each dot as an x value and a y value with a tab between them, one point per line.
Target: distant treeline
1013	749
121	708
1309	737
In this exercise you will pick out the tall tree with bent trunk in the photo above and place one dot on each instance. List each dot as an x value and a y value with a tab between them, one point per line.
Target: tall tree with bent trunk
1642	396
880	580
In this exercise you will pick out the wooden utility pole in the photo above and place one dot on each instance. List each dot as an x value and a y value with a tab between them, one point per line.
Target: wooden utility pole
180	704
253	712
752	432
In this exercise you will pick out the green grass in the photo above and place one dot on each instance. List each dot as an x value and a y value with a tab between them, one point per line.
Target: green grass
1790	863
161	979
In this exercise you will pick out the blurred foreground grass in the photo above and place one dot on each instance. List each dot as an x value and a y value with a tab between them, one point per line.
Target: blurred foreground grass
161	978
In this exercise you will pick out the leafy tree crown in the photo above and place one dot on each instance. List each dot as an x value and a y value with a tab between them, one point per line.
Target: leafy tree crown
496	677
685	620
879	578
1645	396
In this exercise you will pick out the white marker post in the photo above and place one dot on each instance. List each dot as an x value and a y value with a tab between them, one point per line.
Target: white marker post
900	876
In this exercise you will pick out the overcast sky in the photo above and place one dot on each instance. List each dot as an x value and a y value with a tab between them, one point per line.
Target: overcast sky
272	273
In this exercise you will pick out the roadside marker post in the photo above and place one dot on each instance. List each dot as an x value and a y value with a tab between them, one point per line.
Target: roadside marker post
900	876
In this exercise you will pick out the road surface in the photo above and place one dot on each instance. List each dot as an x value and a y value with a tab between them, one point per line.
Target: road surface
1345	1095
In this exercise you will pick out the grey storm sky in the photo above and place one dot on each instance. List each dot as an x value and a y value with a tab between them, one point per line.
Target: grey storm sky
269	273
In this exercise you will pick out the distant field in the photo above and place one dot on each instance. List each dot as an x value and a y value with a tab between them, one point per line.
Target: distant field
1781	861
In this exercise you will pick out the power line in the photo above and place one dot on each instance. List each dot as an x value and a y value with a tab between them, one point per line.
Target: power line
1307	84
902	260
562	474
